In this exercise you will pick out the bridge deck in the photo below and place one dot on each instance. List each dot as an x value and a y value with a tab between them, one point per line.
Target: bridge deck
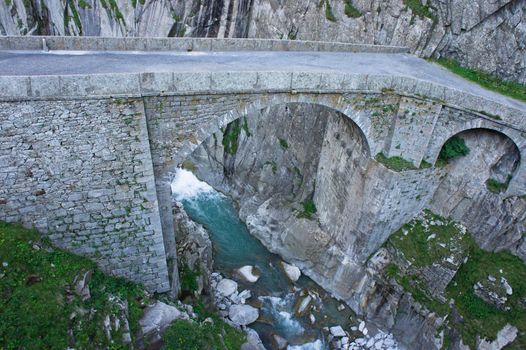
31	63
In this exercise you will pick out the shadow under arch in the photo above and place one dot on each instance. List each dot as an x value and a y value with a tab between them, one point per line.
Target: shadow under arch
509	160
338	104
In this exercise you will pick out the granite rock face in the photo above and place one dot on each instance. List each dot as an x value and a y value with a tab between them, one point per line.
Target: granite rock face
487	35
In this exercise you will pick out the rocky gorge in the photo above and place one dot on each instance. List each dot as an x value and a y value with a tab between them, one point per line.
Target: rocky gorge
329	207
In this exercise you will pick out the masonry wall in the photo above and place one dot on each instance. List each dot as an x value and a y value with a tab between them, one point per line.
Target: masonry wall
80	171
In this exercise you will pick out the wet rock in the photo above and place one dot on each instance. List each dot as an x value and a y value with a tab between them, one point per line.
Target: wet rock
226	287
243	315
279	342
253	341
302	305
337	331
292	272
249	273
81	285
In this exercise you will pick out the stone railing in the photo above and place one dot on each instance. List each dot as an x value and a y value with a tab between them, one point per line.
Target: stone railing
183	44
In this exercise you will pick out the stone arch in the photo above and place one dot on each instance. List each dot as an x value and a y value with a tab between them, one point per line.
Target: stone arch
518	180
334	102
164	166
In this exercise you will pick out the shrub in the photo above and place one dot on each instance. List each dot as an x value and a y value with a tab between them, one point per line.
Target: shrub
453	148
328	12
350	10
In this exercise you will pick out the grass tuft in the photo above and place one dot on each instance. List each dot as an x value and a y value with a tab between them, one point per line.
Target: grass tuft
395	163
505	87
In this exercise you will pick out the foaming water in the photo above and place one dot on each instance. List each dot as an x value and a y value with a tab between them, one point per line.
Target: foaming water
186	186
316	345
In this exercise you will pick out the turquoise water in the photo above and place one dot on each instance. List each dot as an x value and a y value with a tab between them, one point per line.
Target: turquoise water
234	247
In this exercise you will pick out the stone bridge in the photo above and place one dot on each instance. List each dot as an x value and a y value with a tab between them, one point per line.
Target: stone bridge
88	141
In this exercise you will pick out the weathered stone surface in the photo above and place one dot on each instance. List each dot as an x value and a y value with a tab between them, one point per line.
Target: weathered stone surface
157	318
243	315
504	337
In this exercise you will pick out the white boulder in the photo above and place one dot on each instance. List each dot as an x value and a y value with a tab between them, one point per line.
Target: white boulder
337	331
226	287
243	315
292	272
249	273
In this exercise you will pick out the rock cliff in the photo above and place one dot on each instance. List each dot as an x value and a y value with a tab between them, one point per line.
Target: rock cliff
309	189
487	35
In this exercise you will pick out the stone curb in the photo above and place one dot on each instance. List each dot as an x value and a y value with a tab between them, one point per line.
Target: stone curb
184	44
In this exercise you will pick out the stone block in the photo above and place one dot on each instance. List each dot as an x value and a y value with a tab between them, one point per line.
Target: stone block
159	82
14	86
233	81
274	80
189	82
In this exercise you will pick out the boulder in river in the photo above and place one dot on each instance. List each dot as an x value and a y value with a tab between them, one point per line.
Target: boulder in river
226	287
249	273
279	342
292	272
243	315
337	331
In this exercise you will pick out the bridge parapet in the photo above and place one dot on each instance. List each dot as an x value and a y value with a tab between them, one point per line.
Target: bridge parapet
20	88
87	43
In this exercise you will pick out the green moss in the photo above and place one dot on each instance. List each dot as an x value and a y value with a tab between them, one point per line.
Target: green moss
492	116
420	10
350	10
425	165
328	12
36	315
495	186
283	143
231	135
309	209
508	88
455	147
190	335
395	163
273	166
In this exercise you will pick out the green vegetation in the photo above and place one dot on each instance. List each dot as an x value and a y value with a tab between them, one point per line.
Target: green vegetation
492	116
350	10
283	143
189	165
231	135
420	10
496	186
508	88
432	239
309	209
37	302
190	335
480	317
395	163
453	148
414	241
188	278
425	165
273	165
112	6
328	12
